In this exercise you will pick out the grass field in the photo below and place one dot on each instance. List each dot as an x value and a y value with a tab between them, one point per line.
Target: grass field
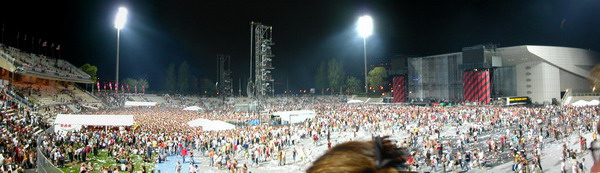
103	160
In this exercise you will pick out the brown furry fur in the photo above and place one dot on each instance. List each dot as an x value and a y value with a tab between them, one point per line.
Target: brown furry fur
358	157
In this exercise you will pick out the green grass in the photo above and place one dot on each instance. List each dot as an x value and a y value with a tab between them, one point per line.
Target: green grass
103	160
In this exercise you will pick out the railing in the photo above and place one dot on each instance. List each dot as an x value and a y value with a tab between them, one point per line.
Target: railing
585	94
76	69
564	100
19	99
44	165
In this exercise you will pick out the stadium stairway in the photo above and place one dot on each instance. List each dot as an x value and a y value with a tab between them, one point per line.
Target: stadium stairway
73	108
86	96
156	98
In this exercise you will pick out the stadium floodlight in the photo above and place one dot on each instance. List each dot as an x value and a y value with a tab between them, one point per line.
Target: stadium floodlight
120	20
365	29
365	26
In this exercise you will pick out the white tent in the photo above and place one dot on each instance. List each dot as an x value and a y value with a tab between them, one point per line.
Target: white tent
586	103
295	116
94	120
354	101
131	104
210	125
193	108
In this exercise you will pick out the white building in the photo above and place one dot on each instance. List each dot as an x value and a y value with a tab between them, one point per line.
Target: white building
542	73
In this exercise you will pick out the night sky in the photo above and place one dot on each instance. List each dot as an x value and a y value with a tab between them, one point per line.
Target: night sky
305	32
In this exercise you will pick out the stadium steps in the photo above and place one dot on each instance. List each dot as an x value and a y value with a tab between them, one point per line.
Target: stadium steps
156	98
73	108
375	100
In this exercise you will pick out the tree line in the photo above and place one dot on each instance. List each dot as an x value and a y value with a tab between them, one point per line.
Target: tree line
331	78
181	80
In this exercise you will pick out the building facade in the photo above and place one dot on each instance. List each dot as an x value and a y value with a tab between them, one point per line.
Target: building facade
481	73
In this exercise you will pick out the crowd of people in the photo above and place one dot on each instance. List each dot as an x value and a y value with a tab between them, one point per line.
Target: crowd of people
436	139
19	129
457	138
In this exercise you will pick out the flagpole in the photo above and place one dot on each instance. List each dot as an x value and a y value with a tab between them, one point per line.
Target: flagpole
3	33
25	44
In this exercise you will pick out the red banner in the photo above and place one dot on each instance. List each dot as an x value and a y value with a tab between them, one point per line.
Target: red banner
477	86
399	87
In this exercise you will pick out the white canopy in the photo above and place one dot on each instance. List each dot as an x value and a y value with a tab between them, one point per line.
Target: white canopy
193	108
295	116
586	103
354	101
94	120
130	103
210	125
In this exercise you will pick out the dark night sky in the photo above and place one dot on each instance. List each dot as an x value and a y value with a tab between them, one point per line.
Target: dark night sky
305	33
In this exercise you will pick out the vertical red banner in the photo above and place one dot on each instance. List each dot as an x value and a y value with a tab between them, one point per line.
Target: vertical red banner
399	87
477	86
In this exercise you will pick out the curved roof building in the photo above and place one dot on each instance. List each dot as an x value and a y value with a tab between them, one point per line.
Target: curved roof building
543	73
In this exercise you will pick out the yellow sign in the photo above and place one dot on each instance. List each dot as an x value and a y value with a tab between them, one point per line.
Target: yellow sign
517	99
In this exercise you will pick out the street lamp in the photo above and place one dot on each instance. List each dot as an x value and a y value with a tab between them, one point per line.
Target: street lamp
365	29
120	20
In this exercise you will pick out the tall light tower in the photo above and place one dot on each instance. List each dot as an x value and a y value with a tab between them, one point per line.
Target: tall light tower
365	29
120	20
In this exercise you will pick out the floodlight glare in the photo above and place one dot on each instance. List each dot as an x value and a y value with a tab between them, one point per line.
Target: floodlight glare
365	29
365	26
121	18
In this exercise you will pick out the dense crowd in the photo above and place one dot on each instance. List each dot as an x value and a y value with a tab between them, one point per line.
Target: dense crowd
454	139
458	138
19	128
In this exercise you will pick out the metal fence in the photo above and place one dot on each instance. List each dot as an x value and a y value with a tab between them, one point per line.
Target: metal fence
45	165
585	94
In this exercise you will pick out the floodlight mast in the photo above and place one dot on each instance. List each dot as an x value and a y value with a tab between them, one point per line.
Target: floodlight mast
365	29
120	21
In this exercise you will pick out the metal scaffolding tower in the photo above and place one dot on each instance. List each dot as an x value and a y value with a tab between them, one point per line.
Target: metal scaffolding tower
224	86
263	56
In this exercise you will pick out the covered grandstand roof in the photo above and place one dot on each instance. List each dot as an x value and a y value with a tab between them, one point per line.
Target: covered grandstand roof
16	61
574	60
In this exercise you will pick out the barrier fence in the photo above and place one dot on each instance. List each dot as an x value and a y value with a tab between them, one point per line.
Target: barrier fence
45	165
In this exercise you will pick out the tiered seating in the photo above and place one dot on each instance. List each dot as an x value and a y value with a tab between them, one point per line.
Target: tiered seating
55	94
156	98
84	97
137	98
20	129
41	65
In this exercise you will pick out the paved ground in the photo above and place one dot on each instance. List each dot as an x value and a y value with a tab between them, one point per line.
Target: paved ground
308	152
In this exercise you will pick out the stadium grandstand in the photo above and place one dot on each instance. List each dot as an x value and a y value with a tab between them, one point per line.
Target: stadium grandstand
42	82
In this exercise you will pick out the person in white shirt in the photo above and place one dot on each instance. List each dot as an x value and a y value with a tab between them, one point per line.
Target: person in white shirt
1	159
191	168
